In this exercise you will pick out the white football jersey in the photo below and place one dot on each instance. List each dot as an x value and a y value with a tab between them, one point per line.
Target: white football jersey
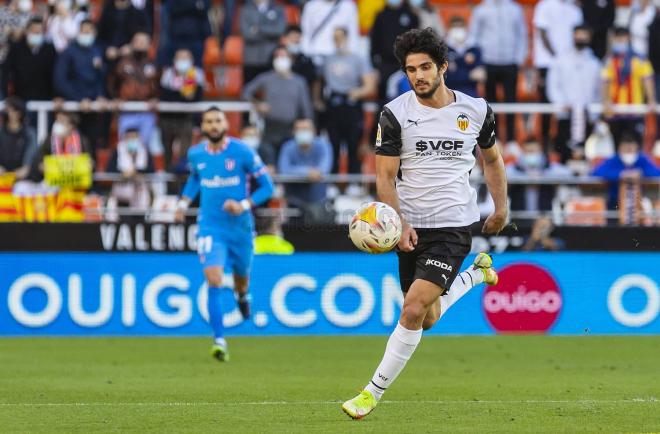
436	148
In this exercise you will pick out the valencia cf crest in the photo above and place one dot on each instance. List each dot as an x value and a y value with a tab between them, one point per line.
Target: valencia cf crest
230	164
462	121
379	139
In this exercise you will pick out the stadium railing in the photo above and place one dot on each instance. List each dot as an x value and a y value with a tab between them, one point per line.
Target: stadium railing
42	108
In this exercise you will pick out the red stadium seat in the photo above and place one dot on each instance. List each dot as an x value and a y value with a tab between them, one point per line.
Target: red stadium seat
447	11
292	13
212	54
212	90
235	120
102	159
233	51
586	211
230	79
93	208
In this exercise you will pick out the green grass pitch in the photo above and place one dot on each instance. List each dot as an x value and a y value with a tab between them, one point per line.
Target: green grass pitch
296	384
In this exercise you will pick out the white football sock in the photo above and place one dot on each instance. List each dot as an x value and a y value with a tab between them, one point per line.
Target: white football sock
462	284
400	347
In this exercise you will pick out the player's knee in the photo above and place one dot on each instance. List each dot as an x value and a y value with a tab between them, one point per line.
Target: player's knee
214	279
414	310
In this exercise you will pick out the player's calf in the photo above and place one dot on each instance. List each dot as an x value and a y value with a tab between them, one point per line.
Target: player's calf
432	316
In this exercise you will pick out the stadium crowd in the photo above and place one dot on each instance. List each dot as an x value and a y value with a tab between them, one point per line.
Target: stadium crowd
309	68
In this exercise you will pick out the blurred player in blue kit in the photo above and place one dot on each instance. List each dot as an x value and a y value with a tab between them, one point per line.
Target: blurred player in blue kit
220	170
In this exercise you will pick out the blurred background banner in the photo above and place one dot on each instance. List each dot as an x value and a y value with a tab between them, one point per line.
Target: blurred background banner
321	293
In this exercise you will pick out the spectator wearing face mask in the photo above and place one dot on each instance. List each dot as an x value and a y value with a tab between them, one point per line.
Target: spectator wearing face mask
135	78
318	20
534	163
262	22
599	17
628	162
302	64
64	139
182	82
465	70
347	79
554	21
30	65
131	159
80	76
63	25
574	83
252	138
18	141
428	16
284	98
305	155
499	29
119	21
627	79
396	18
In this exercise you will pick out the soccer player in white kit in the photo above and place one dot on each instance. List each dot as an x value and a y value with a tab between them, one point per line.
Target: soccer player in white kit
425	150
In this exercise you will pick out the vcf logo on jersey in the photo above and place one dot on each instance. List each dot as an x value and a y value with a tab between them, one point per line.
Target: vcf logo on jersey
463	122
527	299
230	164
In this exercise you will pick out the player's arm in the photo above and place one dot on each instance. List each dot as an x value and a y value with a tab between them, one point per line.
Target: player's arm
265	187
494	173
388	160
190	192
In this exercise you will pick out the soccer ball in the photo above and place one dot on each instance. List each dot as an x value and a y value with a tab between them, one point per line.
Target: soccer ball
375	228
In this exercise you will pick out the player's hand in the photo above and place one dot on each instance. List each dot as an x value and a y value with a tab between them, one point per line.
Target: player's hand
495	222
180	215
408	239
233	207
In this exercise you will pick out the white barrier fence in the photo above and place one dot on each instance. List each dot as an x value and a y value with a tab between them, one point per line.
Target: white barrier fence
42	108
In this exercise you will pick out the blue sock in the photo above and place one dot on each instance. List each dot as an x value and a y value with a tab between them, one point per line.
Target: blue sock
215	312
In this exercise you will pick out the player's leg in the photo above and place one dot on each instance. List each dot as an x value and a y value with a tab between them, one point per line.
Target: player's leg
213	276
213	255
241	252
480	271
400	347
241	284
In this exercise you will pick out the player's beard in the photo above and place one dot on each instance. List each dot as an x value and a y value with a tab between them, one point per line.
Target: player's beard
429	93
215	139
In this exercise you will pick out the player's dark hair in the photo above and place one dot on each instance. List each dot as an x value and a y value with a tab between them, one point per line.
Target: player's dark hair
621	31
420	41
213	108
